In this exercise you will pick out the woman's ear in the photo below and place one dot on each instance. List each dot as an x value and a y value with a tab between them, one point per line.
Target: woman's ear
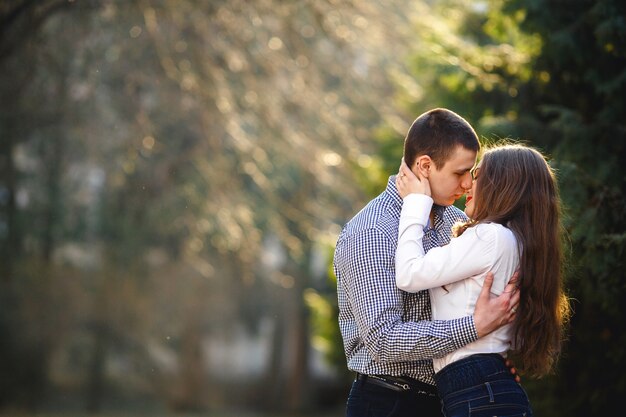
423	165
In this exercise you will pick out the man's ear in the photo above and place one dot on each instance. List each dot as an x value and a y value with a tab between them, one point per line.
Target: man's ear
423	165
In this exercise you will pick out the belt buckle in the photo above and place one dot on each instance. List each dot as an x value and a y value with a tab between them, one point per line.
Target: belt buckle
404	387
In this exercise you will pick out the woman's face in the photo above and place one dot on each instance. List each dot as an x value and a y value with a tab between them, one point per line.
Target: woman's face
470	202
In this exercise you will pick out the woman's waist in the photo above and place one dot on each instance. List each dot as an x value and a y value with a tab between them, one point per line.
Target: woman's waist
498	341
470	371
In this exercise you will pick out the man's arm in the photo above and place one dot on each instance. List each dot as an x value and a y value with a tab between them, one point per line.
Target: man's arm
367	274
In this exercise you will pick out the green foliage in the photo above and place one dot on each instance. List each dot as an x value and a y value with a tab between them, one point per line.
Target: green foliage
323	319
373	176
324	309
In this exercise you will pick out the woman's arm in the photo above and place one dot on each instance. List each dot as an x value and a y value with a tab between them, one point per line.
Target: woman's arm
468	255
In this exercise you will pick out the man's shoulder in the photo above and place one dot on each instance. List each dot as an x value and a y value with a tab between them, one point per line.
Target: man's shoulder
380	214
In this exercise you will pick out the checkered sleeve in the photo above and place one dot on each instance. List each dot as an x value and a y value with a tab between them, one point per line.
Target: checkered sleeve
366	271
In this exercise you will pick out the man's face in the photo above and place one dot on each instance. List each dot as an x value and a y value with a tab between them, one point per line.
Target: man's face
453	179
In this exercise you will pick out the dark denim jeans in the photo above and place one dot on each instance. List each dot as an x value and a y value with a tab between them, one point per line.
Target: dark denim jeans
481	386
369	400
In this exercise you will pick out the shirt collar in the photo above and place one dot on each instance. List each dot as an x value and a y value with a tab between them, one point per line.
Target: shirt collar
438	217
392	191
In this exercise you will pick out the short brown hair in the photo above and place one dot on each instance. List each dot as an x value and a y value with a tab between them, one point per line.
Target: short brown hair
437	133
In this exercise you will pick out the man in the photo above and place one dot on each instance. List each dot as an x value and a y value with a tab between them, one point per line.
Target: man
389	338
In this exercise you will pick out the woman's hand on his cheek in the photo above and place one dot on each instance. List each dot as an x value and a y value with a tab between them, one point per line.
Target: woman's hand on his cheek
407	183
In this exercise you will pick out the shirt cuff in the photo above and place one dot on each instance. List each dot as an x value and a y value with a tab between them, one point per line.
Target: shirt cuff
463	331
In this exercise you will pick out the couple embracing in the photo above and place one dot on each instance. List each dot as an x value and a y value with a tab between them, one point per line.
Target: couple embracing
433	299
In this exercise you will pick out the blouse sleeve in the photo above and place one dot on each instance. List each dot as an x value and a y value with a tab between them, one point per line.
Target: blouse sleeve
465	256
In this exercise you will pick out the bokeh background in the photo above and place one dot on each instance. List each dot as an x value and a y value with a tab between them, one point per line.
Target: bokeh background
174	175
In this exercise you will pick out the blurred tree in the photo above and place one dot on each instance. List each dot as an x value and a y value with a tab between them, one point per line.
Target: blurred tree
21	19
268	109
25	354
177	162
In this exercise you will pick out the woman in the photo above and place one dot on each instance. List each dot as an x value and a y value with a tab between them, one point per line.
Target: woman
514	210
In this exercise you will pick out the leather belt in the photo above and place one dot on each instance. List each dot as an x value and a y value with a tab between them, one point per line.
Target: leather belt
398	384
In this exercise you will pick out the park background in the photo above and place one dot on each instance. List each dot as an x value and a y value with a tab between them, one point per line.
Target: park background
174	175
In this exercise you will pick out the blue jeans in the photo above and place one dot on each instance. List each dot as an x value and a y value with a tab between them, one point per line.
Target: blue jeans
481	386
369	400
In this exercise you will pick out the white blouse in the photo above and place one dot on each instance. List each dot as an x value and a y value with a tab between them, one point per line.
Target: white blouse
460	266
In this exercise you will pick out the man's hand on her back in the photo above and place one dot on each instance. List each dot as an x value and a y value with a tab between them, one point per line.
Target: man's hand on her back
494	312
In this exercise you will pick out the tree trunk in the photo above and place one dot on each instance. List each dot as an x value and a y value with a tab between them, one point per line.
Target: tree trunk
9	244
298	370
274	379
95	384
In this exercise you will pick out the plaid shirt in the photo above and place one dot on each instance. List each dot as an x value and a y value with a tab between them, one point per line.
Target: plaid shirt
387	331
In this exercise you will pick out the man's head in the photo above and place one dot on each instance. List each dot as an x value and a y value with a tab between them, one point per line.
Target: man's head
442	146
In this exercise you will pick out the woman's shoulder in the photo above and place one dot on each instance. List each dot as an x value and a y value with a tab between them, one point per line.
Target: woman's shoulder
496	232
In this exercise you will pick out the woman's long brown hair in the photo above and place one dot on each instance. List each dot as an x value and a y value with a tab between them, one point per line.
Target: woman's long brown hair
517	188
